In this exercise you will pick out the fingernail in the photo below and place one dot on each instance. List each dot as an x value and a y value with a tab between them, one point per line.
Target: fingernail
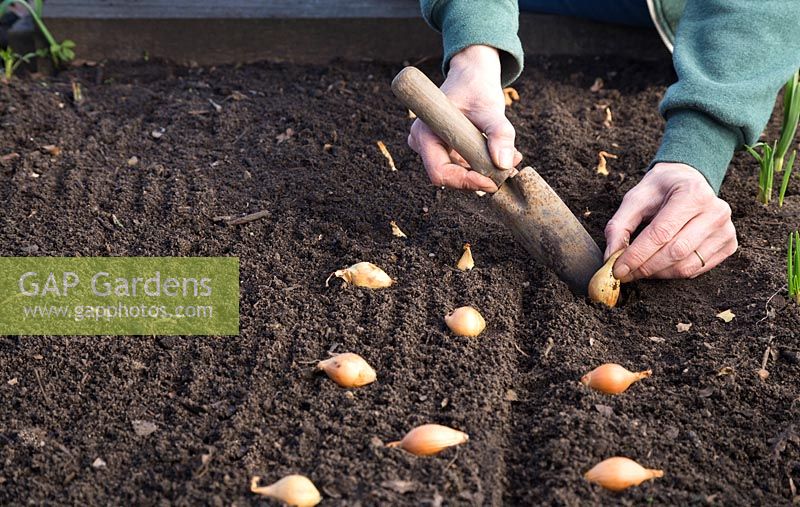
620	271
627	279
506	158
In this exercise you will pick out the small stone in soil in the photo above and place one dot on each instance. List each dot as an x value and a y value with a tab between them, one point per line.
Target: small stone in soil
99	463
143	428
604	410
401	487
705	392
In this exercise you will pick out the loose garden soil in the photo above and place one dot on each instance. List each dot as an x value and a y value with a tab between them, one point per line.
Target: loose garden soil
228	408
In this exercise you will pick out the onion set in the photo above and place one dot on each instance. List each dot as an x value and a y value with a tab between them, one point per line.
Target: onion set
348	370
603	287
618	473
612	378
363	274
465	321
293	490
466	263
430	439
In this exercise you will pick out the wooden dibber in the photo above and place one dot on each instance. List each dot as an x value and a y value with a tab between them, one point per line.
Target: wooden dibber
539	219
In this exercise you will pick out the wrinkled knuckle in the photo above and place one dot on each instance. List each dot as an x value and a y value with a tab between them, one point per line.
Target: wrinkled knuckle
725	210
680	249
635	257
646	271
660	234
612	227
502	129
630	196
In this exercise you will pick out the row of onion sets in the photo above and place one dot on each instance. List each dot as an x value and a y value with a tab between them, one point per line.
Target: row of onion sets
350	370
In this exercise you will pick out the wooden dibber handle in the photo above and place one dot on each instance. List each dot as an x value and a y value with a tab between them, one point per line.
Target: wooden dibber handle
428	102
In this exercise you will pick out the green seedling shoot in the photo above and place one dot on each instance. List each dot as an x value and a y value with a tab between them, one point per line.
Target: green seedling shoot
791	116
766	174
12	60
60	52
786	175
793	266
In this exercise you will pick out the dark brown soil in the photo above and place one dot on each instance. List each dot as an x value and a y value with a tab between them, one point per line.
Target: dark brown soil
227	408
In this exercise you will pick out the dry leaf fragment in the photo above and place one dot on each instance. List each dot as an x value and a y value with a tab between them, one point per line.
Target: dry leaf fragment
52	149
99	463
763	374
597	85
133	161
385	152
656	339
411	114
602	167
511	395
396	231
725	370
327	147
511	95
726	316
608	120
9	157
682	328
285	136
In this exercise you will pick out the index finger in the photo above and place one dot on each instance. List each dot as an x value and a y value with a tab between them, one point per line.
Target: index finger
666	224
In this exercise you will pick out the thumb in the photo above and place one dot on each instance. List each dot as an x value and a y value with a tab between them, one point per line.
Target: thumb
501	141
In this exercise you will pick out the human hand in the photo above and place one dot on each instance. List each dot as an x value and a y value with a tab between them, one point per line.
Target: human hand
473	86
690	231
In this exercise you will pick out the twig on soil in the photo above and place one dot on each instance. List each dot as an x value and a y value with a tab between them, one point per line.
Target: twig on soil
452	461
252	217
520	350
549	347
766	305
387	155
765	357
41	386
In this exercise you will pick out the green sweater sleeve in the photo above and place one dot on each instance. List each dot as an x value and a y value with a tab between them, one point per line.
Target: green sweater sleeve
468	22
731	57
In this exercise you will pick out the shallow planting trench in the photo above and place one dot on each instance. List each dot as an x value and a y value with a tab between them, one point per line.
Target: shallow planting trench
228	408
